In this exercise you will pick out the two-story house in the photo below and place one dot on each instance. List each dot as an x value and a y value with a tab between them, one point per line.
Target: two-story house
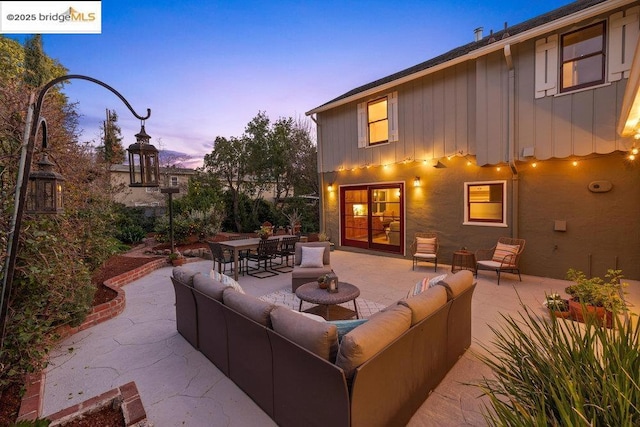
528	132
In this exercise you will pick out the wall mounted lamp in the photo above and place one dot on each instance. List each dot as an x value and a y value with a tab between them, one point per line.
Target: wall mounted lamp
330	188
416	181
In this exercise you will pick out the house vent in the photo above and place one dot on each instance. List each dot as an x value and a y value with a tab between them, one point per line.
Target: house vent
478	33
506	33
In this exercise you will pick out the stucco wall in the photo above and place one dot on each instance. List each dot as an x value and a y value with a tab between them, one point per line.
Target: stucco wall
602	228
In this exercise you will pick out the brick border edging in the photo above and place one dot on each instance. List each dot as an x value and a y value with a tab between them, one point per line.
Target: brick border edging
125	396
31	404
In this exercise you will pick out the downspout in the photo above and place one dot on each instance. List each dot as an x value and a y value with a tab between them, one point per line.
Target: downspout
511	141
321	178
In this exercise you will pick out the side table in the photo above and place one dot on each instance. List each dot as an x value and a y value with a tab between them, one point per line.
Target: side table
463	260
327	302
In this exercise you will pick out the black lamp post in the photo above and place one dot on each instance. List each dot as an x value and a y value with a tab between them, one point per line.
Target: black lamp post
46	185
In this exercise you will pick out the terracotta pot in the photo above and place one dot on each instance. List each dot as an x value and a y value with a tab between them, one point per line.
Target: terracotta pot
178	262
560	314
579	313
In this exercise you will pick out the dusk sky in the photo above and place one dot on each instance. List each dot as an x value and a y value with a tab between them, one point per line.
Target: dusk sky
206	68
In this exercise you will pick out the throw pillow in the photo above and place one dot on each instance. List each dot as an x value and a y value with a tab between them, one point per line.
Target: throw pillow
345	326
502	250
226	280
425	283
312	257
426	245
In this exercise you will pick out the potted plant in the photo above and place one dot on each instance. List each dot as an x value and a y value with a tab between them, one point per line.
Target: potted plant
177	259
295	221
264	232
595	296
557	306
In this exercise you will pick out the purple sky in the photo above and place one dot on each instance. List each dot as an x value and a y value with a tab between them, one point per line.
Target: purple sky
206	68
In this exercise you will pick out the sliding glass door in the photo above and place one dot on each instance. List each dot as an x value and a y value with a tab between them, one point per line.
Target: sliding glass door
371	217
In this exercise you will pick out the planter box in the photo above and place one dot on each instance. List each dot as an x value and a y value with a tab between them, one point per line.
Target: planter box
580	312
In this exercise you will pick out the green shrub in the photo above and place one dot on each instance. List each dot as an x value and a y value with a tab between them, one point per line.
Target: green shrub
562	373
131	234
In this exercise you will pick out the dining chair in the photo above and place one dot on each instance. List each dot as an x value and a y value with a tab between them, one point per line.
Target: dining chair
264	255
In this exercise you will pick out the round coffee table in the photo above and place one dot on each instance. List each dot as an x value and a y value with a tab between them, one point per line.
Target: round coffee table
327	302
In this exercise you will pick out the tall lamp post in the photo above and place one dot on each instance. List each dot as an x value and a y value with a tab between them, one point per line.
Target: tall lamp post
45	186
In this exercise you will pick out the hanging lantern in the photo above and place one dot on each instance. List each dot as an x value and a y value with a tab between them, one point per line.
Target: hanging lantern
144	168
44	194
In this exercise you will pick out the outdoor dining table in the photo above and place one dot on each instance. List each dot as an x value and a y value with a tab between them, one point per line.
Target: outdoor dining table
242	245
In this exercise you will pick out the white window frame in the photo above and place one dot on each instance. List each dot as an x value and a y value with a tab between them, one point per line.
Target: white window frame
392	116
504	205
174	181
622	32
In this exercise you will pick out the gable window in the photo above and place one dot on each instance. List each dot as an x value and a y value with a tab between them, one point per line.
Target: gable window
377	120
583	57
485	203
174	181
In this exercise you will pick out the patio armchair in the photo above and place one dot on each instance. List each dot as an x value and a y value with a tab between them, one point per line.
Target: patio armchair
425	248
505	256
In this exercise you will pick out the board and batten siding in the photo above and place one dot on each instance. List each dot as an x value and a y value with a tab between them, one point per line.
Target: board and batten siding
433	122
465	109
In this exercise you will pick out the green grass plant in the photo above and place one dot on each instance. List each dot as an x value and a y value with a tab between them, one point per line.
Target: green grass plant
555	372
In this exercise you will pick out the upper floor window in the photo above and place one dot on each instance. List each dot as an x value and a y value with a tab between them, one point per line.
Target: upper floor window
173	181
485	203
583	57
377	120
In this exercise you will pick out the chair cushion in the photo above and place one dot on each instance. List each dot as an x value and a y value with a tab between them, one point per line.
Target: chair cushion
249	306
368	339
312	257
208	286
425	283
226	280
502	250
320	338
426	245
426	303
424	256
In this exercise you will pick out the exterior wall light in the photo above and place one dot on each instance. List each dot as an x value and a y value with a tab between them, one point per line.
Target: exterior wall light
330	188
416	181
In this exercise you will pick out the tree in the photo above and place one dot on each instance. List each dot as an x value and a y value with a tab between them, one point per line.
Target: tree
52	281
111	150
278	157
229	162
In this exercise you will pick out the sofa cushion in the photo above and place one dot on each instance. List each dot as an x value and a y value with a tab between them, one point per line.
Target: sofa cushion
226	280
425	283
457	283
310	273
184	275
312	257
346	326
249	306
426	303
366	340
320	338
208	286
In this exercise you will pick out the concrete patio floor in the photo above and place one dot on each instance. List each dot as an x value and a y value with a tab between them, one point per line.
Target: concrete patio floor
180	387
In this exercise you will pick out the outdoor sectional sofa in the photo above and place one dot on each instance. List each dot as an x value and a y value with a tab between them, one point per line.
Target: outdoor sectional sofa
294	369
